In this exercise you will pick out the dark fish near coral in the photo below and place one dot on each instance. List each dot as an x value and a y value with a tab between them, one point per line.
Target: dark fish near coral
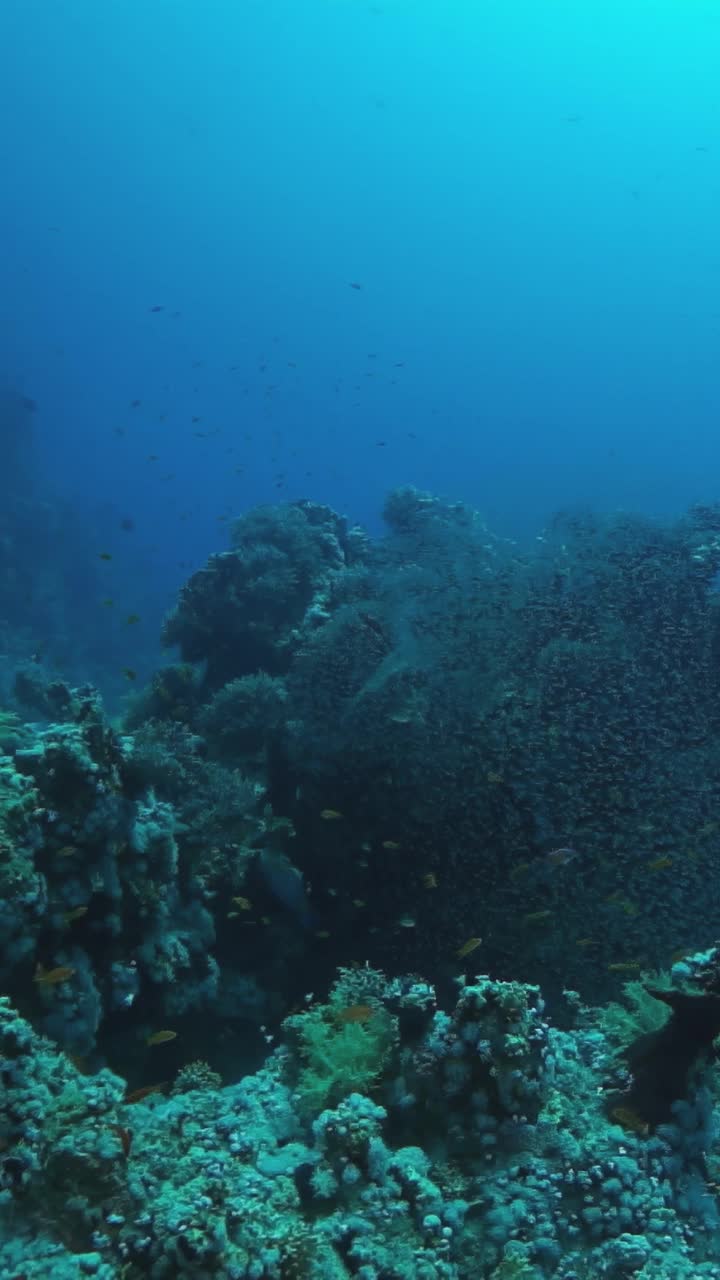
286	884
146	1091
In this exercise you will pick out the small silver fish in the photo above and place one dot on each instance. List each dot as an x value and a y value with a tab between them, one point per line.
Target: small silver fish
560	857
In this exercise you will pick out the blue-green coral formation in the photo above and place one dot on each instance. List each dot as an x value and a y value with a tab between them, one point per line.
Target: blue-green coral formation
401	751
252	1181
113	851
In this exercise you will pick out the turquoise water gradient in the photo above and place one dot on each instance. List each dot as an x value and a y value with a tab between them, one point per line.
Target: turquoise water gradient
528	193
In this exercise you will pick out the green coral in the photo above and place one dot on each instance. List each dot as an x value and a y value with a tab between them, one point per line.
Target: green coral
515	1264
640	1013
343	1046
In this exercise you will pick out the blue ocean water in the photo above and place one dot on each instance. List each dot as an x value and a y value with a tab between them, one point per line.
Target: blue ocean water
527	194
359	696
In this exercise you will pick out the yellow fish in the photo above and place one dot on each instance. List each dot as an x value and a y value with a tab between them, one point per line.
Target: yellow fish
536	917
330	815
659	864
243	903
429	880
519	869
77	913
624	966
161	1037
50	977
468	947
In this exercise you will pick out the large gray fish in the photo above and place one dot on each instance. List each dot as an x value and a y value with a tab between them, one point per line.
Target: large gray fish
286	884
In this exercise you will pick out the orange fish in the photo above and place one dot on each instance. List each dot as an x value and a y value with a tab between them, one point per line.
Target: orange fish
125	1137
161	1037
356	1013
468	947
50	977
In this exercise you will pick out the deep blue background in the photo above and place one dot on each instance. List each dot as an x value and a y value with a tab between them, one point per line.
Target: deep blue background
527	191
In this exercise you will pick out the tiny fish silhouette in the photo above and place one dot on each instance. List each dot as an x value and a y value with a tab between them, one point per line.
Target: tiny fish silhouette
560	857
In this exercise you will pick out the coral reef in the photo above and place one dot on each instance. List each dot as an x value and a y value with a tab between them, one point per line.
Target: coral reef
444	782
261	1179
